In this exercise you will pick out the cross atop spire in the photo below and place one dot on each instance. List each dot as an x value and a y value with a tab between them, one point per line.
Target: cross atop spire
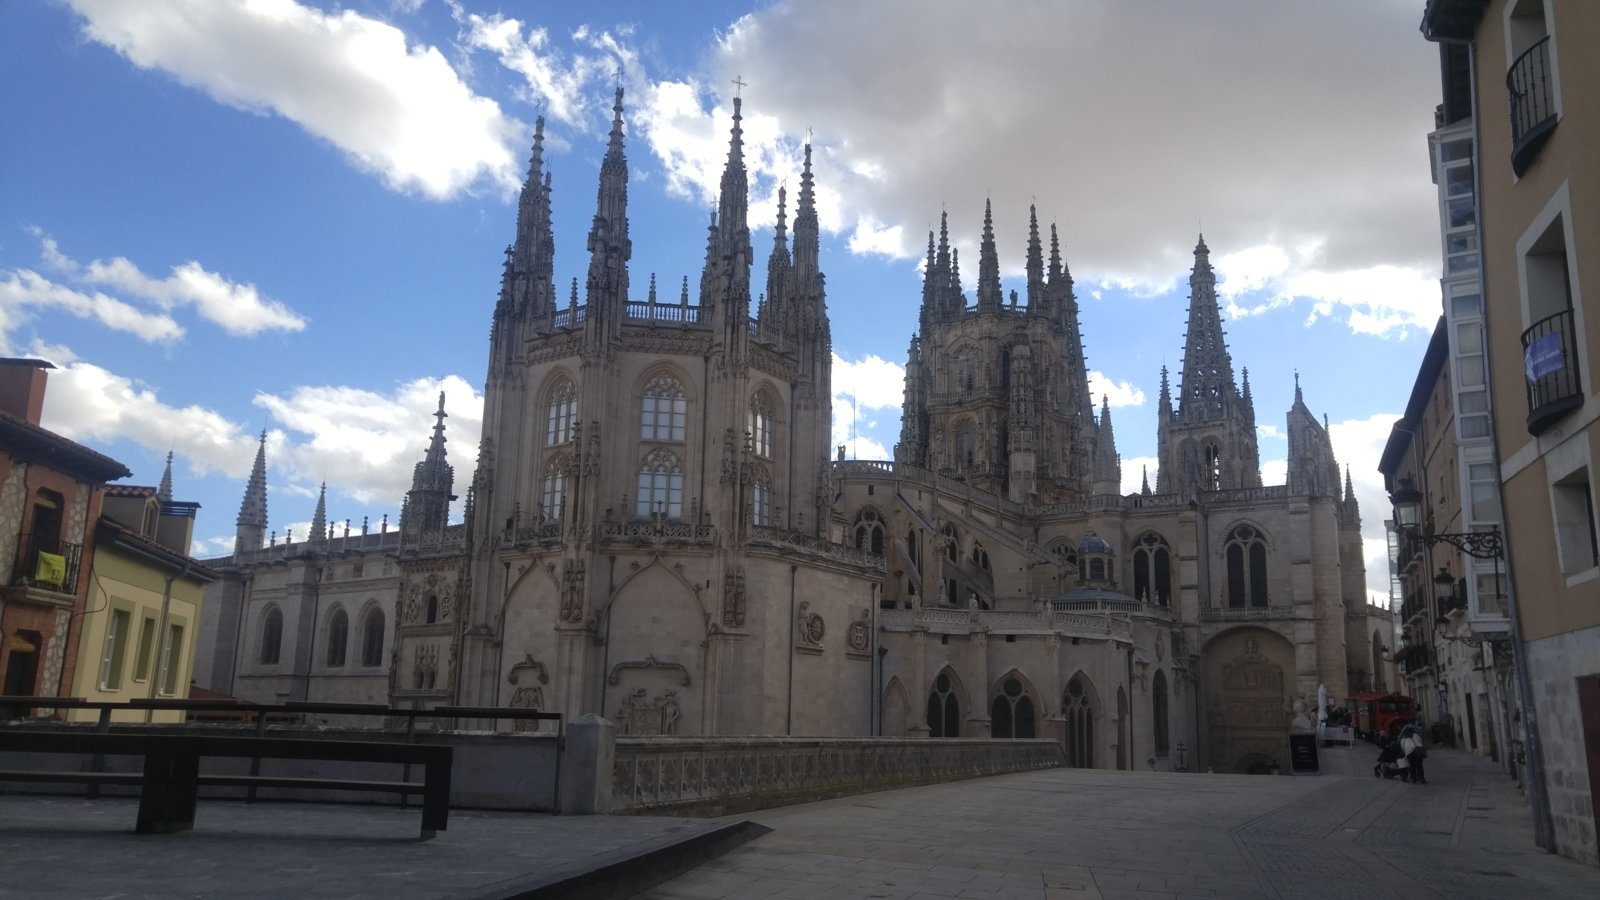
739	85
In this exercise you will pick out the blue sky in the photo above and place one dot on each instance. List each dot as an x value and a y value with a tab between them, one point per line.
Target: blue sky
220	217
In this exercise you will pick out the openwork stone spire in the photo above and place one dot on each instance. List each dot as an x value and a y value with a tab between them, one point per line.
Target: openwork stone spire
1207	382
988	265
251	532
427	509
164	492
319	519
609	246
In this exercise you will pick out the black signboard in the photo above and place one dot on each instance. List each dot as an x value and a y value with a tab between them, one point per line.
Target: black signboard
1302	753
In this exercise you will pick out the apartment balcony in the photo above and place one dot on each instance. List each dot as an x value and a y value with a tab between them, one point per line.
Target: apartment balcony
48	565
1550	362
1533	111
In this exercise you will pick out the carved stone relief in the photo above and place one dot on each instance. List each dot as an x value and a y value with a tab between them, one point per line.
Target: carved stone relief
641	715
809	627
859	636
572	577
733	598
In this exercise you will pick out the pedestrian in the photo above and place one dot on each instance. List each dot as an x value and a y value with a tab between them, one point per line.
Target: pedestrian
1415	753
1390	762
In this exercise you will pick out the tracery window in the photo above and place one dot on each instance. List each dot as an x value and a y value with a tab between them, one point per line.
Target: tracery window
761	499
869	532
1152	569
1213	467
660	487
372	628
980	556
758	424
1066	550
966	446
271	636
1078	710
966	371
944	710
952	544
553	490
338	638
1246	551
563	414
1011	713
662	410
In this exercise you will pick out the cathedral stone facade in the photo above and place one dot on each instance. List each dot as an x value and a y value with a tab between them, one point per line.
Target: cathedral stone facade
655	530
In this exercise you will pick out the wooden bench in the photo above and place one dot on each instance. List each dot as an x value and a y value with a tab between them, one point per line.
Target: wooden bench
170	783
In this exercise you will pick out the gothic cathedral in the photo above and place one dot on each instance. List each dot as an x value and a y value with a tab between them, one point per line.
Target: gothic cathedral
655	530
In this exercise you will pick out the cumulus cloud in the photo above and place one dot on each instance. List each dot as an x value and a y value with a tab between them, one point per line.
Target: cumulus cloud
1117	393
1359	444
910	121
1133	473
395	109
867	393
23	290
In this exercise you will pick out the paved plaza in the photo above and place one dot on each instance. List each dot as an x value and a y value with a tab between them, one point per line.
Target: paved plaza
1061	833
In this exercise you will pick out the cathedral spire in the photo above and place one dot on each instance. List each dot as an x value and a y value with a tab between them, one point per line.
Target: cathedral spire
776	312
252	522
319	519
1207	387
1107	477
807	242
988	265
427	508
164	492
609	246
1036	293
1144	487
1055	256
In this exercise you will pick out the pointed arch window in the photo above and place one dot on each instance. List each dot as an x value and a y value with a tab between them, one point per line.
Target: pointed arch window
1213	473
761	498
271	637
1066	550
868	532
1078	710
952	543
966	447
1011	713
1159	714
980	557
944	710
660	487
372	628
966	371
1152	569
553	488
1246	551
338	638
662	410
562	418
758	425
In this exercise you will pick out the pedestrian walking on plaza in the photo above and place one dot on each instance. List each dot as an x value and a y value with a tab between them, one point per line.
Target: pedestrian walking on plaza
1415	753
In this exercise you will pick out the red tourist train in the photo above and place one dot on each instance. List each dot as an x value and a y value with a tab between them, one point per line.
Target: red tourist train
1382	715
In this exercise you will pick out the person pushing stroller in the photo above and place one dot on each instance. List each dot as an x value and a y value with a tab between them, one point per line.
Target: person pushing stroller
1391	762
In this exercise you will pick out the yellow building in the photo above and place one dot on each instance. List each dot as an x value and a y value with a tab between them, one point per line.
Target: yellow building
138	633
1529	72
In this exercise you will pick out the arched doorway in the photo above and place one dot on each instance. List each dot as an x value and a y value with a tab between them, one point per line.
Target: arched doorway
1248	697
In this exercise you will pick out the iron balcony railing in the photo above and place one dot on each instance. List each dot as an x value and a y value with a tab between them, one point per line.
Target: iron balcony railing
46	562
1533	111
1550	362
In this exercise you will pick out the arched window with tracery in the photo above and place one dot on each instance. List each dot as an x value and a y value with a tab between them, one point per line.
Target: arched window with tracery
562	416
271	637
868	531
1066	550
372	629
944	710
1011	713
952	543
1246	551
660	487
338	638
1213	472
980	556
966	446
761	498
1078	709
662	409
553	488
1152	569
758	424
966	370
1159	714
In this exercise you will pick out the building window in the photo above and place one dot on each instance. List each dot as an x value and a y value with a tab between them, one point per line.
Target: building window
660	487
966	371
1213	468
271	637
553	491
761	500
758	425
1011	713
1158	714
966	447
980	557
1152	570
116	648
952	544
869	533
171	661
430	612
147	642
1572	503
563	415
944	710
662	410
1247	568
372	638
1078	710
1550	341
338	638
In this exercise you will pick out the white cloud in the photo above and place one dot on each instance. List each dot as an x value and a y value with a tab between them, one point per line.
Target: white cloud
1117	393
553	80
397	110
867	393
872	237
23	290
1134	470
1274	471
1358	443
1271	433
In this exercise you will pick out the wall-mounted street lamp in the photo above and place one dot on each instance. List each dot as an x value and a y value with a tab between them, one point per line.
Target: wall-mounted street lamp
1407	502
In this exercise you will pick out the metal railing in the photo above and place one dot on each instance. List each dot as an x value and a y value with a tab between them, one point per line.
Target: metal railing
46	562
1550	363
1533	112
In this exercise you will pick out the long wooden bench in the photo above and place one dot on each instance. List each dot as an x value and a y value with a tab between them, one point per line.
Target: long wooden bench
170	783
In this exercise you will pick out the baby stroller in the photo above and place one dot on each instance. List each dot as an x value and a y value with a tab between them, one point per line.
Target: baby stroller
1391	762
